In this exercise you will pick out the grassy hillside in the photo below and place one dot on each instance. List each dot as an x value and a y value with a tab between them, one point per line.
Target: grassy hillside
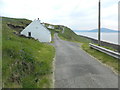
71	36
26	62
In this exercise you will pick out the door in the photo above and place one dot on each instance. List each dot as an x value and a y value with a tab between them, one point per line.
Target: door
29	34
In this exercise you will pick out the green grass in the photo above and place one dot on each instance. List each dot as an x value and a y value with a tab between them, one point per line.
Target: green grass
27	63
69	35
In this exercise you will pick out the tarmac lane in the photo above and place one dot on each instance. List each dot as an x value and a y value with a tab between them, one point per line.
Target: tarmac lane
74	68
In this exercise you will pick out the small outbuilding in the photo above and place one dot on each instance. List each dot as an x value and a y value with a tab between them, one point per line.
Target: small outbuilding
36	30
51	27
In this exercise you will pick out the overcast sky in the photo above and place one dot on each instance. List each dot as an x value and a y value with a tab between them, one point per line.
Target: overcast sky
76	14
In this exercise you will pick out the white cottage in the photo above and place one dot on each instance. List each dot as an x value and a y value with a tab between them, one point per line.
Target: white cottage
36	30
51	27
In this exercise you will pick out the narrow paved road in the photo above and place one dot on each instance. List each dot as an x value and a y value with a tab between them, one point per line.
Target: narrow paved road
76	69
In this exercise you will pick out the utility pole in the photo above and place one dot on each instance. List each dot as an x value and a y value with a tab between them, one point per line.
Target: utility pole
119	25
99	22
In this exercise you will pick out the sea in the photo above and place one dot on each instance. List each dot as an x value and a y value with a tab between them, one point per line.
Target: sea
112	37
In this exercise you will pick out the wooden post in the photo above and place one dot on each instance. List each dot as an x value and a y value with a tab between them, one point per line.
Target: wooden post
99	23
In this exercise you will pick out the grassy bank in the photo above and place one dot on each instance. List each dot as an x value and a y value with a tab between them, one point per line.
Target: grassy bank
26	62
104	58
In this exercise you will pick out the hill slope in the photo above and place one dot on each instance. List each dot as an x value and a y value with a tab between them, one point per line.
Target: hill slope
27	63
71	36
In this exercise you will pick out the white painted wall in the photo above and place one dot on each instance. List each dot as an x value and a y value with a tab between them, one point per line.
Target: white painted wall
38	31
51	27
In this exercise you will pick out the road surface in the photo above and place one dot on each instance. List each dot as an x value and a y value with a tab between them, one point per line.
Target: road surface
74	68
